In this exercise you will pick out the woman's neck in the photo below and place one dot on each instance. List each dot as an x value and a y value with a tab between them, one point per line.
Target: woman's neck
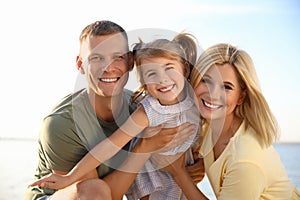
222	131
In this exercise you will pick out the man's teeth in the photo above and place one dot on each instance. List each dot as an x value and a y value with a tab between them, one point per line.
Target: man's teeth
211	105
164	89
108	80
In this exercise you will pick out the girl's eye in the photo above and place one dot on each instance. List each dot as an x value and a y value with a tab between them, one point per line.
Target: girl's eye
207	81
151	74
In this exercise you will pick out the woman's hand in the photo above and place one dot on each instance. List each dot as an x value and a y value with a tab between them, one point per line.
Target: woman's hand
187	177
197	170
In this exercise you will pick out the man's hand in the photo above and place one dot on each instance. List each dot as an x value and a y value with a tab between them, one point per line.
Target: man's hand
163	139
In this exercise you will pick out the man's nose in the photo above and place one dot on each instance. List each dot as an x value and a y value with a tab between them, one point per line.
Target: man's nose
108	64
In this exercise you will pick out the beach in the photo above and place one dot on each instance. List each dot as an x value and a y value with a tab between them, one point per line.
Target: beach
19	159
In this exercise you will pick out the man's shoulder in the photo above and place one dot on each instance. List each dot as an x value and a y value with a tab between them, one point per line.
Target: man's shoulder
62	112
128	95
66	103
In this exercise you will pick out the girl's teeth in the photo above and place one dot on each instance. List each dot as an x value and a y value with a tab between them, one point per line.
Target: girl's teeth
166	88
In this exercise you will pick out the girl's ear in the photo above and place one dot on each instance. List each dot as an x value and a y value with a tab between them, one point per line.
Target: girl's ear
145	87
79	64
242	97
186	70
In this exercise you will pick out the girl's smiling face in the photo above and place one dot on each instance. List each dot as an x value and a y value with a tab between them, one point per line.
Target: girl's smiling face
164	79
219	92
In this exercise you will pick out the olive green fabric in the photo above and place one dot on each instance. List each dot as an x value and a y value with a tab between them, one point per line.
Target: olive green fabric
70	131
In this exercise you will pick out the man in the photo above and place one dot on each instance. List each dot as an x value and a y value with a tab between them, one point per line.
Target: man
82	119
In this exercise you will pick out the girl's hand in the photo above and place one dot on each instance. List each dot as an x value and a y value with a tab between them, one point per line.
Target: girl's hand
54	181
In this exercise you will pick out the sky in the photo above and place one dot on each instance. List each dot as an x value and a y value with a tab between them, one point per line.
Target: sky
39	44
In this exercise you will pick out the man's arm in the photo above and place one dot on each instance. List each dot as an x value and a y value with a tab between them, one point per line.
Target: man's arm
121	179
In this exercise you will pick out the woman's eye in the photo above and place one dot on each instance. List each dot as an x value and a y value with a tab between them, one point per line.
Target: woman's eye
227	87
169	68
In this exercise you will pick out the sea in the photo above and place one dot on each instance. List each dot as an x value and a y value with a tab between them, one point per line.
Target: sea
18	159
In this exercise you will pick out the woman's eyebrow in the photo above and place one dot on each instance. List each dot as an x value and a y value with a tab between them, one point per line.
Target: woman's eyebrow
228	83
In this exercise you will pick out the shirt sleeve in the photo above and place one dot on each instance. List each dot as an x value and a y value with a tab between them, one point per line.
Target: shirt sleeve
243	180
61	146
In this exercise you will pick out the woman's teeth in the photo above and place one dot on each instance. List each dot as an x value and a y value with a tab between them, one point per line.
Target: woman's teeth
212	106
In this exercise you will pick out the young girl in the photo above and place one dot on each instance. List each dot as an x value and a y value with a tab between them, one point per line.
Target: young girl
239	128
163	67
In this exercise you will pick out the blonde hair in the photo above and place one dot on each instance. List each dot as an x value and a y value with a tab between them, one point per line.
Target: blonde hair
182	48
254	110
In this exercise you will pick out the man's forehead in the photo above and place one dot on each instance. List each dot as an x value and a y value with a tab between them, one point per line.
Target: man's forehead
107	44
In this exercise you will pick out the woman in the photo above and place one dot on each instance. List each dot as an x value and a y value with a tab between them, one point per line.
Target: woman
239	129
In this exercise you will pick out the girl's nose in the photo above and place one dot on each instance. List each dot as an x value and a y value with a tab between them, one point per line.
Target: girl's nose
163	78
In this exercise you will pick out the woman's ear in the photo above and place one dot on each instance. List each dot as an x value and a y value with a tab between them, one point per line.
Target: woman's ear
242	97
79	64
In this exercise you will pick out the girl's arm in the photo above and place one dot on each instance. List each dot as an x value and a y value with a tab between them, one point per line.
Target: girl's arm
100	153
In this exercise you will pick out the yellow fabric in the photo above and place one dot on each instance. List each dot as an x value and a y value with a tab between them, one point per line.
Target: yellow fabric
245	170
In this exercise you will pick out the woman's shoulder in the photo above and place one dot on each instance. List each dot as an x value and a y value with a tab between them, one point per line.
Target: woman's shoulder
246	145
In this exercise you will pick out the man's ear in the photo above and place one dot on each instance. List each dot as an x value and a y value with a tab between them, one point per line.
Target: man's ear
79	64
130	60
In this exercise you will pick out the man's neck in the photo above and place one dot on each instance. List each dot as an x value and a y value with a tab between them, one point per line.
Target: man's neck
106	108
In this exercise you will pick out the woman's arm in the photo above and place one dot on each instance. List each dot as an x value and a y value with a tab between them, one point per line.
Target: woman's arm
184	180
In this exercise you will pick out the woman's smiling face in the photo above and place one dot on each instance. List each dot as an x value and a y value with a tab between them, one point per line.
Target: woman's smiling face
219	92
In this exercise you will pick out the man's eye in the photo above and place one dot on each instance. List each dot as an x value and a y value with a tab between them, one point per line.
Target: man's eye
95	58
119	57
